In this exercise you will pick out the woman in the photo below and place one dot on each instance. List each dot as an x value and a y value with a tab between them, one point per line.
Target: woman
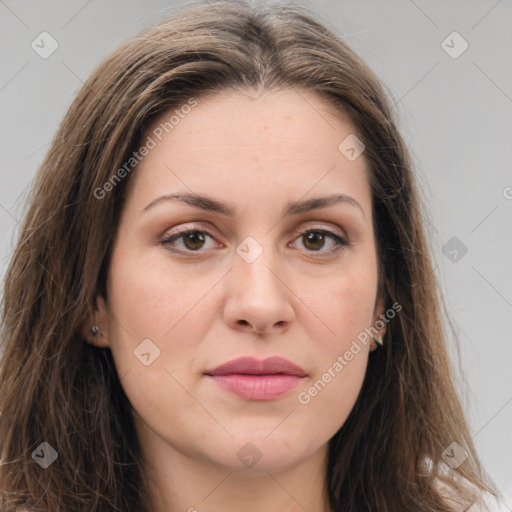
222	296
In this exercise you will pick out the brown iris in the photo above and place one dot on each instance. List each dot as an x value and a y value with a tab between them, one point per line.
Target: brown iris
194	240
314	240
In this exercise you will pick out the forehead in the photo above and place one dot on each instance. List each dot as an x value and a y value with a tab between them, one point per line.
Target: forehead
286	140
248	118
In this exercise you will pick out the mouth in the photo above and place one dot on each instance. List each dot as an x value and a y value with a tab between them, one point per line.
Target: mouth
252	379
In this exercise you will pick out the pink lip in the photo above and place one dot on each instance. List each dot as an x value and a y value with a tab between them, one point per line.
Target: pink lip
252	379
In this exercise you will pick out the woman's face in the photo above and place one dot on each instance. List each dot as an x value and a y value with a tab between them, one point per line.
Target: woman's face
262	273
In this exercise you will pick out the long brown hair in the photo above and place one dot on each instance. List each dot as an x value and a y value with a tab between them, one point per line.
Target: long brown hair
56	388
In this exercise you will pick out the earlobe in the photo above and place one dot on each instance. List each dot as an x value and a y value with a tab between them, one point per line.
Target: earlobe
96	330
379	324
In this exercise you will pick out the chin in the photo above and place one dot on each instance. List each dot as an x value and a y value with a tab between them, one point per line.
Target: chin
258	454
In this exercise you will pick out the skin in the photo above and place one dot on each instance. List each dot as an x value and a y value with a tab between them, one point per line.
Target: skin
201	309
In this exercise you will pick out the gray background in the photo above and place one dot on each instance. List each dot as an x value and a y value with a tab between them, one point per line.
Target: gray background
456	114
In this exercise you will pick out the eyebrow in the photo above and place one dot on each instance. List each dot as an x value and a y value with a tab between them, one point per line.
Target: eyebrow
292	208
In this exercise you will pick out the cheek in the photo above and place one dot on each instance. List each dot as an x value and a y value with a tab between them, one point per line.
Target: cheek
342	304
338	313
147	300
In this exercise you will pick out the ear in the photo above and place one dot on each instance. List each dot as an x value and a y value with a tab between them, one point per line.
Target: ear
379	320
98	337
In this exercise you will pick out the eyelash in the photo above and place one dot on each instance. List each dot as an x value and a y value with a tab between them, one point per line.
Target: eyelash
340	242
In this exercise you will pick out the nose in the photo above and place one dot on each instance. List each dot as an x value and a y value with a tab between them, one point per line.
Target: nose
258	297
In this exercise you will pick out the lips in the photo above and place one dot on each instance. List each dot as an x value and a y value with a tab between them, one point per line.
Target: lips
252	366
252	379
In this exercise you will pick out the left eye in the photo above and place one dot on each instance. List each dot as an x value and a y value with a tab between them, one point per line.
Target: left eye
315	240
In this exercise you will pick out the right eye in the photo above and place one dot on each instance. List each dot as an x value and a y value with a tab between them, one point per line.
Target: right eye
189	240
